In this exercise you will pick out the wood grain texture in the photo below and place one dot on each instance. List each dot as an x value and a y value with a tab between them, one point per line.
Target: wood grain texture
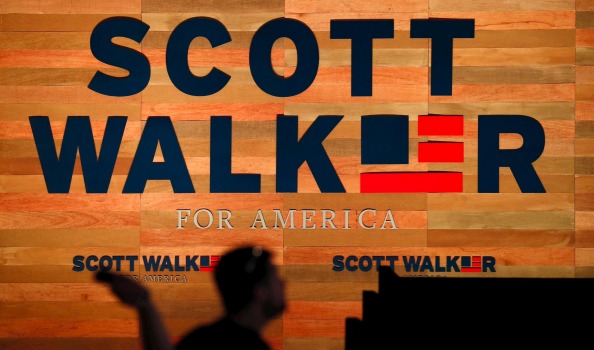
23	328
584	137
514	19
501	238
14	112
532	58
584	5
314	343
181	6
59	22
485	5
65	310
502	220
234	22
584	238
81	7
376	6
132	343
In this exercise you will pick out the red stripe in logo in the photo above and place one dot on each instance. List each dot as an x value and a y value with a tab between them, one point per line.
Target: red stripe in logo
441	152
441	125
411	182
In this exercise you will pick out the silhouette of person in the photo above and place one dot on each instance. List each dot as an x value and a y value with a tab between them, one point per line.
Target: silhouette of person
252	294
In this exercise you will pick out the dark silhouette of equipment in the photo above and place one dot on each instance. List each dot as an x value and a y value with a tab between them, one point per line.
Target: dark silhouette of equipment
475	312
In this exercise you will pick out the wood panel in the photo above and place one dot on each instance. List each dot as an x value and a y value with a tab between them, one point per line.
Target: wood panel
584	137
532	59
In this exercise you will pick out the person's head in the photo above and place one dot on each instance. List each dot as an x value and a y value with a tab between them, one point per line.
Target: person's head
245	275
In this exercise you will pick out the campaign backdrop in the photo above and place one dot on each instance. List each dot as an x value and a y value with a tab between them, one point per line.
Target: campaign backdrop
337	162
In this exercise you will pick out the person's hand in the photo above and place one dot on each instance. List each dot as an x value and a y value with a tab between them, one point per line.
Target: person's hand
127	290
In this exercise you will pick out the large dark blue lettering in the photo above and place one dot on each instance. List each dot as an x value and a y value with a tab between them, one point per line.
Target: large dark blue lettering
221	178
292	152
349	260
177	56
131	60
489	263
90	259
151	263
384	139
491	158
158	131
338	263
78	136
78	264
442	33
362	33
308	57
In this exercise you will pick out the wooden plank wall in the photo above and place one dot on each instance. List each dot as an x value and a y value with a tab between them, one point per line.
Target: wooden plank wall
532	58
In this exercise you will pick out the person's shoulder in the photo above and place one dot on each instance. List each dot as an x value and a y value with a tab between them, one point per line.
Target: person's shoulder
221	334
199	337
206	335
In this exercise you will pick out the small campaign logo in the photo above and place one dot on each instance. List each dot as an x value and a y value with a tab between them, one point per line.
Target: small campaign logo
434	151
471	263
209	262
415	264
146	263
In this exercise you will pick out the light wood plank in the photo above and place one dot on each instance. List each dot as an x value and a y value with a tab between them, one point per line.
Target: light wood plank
584	257
66	310
233	21
69	219
337	94
46	22
50	42
309	6
501	238
502	220
502	93
513	56
403	237
515	5
60	7
230	93
300	328
70	202
248	6
59	94
584	202
190	235
132	343
584	75
15	112
483	202
541	110
491	19
204	111
584	238
584	56
584	220
82	237
584	37
48	58
50	76
313	343
514	75
68	328
320	21
584	184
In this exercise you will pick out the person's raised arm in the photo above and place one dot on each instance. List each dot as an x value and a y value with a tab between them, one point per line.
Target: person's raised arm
152	330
